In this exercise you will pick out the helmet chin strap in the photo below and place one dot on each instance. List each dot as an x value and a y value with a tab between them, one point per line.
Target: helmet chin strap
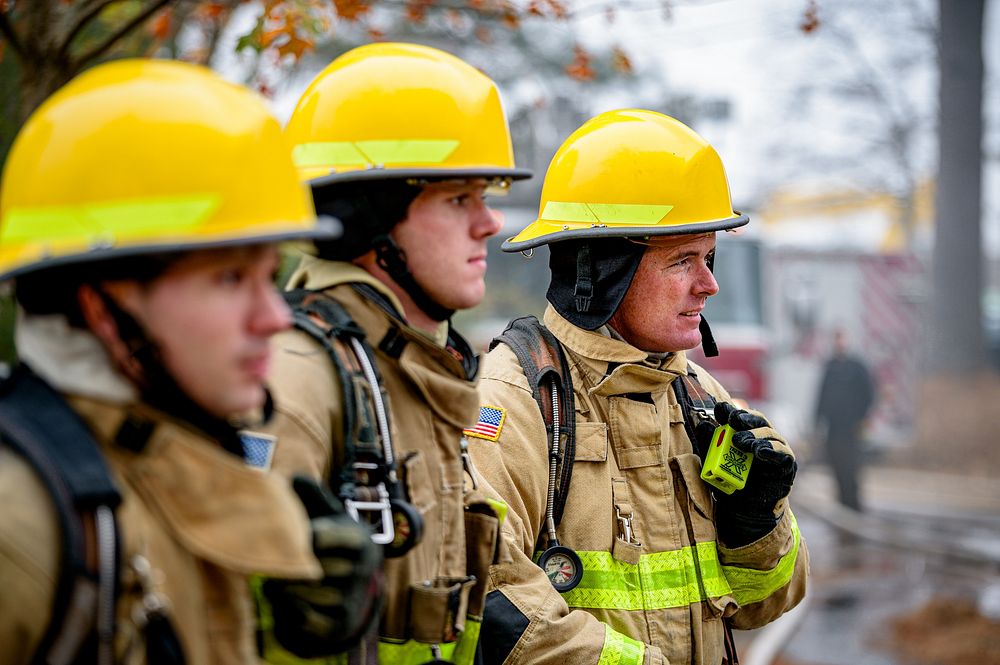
392	259
159	389
708	344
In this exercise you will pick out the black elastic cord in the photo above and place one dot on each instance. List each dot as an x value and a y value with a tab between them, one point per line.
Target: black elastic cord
392	259
160	390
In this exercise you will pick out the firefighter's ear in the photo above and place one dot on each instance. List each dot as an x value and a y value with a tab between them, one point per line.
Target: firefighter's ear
101	323
96	315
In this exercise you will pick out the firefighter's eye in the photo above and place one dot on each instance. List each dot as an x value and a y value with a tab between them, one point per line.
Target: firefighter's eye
230	276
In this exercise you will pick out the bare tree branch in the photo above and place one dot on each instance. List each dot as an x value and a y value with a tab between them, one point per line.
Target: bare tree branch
7	30
88	15
101	48
218	26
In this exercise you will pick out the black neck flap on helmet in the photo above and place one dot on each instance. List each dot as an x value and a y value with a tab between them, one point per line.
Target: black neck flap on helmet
590	277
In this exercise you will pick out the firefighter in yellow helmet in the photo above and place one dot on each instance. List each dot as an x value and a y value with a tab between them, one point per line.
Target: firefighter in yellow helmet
402	143
621	551
140	211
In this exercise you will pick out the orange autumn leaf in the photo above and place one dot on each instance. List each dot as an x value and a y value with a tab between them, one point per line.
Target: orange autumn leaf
351	10
484	35
580	68
296	46
269	37
454	18
810	19
159	27
621	61
558	9
211	10
416	10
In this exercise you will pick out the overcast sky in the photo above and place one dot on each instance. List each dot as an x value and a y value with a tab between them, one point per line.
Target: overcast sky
752	53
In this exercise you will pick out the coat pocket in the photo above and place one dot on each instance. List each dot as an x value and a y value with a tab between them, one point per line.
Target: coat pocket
635	432
699	494
418	482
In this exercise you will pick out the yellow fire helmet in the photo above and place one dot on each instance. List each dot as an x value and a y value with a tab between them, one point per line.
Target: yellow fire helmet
393	110
143	156
631	173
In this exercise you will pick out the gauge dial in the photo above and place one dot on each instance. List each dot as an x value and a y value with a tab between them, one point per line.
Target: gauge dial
562	566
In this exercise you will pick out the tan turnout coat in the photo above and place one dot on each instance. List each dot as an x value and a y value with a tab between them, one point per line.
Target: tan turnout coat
203	520
661	597
433	397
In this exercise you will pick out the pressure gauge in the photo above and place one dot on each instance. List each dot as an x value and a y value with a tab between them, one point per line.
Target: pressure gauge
562	566
408	528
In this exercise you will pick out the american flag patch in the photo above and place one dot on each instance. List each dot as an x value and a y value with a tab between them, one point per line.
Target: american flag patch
258	449
490	422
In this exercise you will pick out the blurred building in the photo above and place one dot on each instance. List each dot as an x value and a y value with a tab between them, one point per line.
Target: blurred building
851	261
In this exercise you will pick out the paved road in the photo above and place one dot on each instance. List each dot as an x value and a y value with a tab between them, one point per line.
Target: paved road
943	534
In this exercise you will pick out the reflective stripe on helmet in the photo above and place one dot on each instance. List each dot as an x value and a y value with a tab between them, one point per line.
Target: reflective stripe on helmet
132	219
361	153
604	213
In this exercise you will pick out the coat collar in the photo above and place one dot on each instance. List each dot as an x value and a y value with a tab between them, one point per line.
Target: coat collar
69	359
220	509
317	274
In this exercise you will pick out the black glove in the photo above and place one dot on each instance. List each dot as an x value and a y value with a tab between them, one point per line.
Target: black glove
329	616
748	514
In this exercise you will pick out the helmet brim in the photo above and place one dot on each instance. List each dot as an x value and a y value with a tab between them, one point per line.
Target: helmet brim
512	244
487	173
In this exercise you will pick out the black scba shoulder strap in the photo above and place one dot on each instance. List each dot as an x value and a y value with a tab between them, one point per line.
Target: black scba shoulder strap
696	403
38	424
369	481
547	370
325	320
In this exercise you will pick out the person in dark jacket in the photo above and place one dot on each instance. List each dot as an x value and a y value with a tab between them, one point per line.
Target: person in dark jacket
846	397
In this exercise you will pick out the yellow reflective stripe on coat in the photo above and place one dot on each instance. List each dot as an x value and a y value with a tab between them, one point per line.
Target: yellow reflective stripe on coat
604	213
751	586
620	649
499	507
660	580
360	153
663	580
459	652
112	222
